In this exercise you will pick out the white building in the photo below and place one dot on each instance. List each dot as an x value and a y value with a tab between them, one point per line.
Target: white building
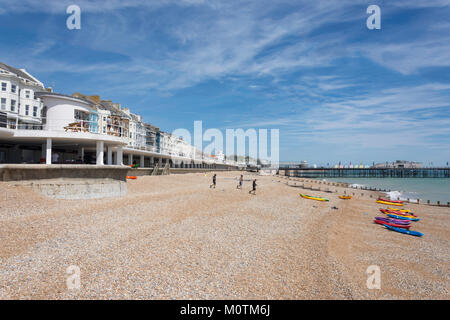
17	97
39	126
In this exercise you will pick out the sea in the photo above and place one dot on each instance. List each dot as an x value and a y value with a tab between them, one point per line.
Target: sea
433	189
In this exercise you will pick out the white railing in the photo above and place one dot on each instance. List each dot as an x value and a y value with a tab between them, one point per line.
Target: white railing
72	126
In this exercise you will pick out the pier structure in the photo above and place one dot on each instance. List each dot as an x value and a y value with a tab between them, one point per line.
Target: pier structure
365	172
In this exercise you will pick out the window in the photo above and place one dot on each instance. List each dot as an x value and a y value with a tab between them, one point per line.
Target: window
27	94
13	88
13	105
104	129
3	86
3	105
80	115
27	110
35	111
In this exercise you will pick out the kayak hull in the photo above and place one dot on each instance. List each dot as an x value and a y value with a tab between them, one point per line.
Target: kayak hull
392	220
410	232
390	203
392	224
402	218
401	210
313	198
398	213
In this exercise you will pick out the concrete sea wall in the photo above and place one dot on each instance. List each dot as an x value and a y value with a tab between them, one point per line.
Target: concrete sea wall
69	181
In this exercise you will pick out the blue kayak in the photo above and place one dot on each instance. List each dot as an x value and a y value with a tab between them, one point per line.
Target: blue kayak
410	232
402	218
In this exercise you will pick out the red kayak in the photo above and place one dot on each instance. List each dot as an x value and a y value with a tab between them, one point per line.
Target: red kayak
393	201
398	213
392	224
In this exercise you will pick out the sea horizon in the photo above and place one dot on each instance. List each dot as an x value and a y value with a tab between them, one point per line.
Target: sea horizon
433	189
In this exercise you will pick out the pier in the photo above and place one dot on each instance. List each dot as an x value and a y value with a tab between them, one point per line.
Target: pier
365	172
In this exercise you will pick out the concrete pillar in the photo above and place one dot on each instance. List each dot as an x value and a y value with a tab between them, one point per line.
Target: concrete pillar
130	159
48	152
109	157
142	162
99	158
160	161
119	156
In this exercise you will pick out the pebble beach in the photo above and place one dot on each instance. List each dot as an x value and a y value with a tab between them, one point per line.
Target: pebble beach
174	237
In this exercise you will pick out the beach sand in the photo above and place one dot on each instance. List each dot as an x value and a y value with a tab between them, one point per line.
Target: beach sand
172	237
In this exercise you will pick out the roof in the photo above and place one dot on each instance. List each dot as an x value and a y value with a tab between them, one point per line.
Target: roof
17	72
50	94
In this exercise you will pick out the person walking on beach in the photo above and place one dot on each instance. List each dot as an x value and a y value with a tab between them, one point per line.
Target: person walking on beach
241	179
214	182
254	188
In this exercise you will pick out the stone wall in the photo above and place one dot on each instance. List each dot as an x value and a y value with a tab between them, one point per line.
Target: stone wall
69	181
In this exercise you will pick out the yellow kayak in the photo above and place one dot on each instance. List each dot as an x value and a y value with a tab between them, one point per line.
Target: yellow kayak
390	203
345	197
401	210
403	215
313	198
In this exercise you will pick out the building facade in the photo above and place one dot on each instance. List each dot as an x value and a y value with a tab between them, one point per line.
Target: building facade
40	126
18	99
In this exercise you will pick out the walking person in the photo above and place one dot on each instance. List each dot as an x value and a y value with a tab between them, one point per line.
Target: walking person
241	179
214	181
254	188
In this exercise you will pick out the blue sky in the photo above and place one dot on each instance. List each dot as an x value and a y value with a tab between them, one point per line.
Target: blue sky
336	90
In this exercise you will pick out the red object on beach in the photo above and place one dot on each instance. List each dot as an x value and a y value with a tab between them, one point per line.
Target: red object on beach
393	201
398	213
132	177
392	224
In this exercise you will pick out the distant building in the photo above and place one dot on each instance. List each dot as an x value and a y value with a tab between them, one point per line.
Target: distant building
399	164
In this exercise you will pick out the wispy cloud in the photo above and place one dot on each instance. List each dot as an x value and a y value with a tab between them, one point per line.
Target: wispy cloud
310	68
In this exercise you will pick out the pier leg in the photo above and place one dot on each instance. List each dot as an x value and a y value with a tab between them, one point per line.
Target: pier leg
142	162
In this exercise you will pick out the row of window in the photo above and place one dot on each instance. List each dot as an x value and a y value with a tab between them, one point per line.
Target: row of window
12	107
14	90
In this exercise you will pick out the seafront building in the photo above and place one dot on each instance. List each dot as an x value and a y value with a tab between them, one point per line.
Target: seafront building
38	125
